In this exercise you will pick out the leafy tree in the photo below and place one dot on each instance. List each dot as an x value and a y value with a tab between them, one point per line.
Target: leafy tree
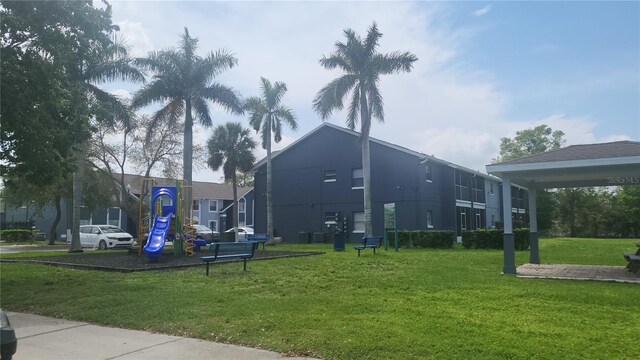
362	66
529	142
182	81
267	116
231	147
72	41
629	199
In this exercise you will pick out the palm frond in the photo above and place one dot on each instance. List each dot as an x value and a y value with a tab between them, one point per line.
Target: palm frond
156	91
354	108
117	69
215	63
336	61
329	98
202	111
223	96
112	103
393	62
285	114
376	103
371	42
276	129
171	112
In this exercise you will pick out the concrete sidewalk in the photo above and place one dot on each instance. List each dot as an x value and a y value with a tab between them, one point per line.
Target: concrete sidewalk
41	337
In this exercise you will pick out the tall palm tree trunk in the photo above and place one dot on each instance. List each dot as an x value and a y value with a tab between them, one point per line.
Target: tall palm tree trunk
234	181
365	123
187	156
78	183
269	201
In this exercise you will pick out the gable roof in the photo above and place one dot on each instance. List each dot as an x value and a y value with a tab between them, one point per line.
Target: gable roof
610	150
423	157
201	189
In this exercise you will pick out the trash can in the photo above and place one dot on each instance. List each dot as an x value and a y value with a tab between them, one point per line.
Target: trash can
318	237
304	237
338	242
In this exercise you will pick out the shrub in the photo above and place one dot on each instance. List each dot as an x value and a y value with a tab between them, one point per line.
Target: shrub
493	239
423	239
521	239
18	235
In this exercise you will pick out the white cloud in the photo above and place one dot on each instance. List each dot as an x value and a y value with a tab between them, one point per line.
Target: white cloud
135	37
483	11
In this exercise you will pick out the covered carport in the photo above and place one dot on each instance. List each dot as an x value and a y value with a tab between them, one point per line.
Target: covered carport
605	164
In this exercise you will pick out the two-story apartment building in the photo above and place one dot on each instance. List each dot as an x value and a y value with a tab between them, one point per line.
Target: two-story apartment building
320	175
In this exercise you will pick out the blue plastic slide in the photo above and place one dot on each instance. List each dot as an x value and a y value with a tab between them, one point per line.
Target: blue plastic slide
157	235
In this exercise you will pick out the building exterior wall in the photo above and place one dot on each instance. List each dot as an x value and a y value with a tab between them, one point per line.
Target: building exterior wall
313	180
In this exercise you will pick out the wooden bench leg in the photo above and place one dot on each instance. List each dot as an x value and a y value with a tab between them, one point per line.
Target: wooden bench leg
358	252
374	250
207	268
245	264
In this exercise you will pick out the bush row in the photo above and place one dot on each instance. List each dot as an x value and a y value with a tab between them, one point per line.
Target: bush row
18	235
423	239
492	239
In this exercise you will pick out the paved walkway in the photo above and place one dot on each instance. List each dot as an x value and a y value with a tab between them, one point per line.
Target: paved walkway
578	272
12	249
41	337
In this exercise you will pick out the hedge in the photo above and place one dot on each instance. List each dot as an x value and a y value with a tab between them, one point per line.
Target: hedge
492	239
18	235
423	239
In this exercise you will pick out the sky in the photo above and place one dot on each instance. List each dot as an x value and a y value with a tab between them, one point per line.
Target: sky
485	69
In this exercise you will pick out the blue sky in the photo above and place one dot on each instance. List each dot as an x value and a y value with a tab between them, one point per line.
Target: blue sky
486	69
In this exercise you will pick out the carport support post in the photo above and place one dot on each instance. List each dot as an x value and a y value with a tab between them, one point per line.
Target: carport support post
509	247
534	252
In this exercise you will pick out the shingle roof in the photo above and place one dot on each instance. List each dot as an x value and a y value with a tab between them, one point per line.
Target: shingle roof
609	150
201	189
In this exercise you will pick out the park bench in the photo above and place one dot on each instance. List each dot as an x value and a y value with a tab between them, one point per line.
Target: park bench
230	250
258	238
634	260
369	242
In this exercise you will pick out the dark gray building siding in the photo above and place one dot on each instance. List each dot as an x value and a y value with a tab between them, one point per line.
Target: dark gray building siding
301	197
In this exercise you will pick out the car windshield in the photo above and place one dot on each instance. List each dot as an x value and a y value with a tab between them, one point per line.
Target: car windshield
201	228
110	229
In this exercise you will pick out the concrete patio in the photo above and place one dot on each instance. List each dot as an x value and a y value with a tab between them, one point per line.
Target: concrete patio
578	272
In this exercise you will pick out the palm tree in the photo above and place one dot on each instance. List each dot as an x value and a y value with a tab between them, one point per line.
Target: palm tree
182	81
101	63
267	116
362	66
231	147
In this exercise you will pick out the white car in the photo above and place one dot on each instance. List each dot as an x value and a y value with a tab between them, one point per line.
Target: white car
242	231
105	237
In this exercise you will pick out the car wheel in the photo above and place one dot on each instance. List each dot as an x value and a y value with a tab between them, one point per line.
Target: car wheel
102	245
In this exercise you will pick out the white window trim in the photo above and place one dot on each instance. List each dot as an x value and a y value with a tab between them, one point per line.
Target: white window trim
213	211
335	174
357	188
215	228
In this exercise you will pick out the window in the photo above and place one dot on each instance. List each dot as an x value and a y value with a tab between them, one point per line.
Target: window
490	188
357	179
330	216
213	225
430	219
427	173
358	222
196	205
113	216
213	205
86	230
242	209
95	230
329	176
463	221
478	221
493	221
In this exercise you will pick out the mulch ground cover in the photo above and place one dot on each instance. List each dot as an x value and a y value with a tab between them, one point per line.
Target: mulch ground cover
129	262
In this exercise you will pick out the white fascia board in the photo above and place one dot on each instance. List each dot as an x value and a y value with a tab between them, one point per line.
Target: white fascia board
567	164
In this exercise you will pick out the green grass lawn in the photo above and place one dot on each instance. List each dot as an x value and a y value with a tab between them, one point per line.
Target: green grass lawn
405	305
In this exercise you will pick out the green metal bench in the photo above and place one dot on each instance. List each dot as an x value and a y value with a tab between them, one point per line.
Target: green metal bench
369	242
230	250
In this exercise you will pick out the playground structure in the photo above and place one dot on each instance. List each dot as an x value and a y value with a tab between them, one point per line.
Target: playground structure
165	214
